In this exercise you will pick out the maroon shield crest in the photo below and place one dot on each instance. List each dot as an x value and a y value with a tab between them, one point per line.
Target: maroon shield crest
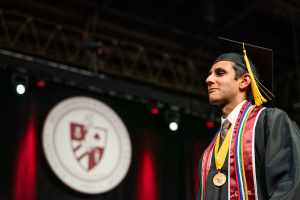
88	144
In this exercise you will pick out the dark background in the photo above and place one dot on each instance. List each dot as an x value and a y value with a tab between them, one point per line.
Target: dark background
169	44
173	156
137	54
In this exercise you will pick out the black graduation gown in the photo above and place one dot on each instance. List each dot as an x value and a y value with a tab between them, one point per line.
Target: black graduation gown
277	158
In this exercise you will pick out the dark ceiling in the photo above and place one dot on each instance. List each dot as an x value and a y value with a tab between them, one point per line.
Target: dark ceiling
273	24
182	28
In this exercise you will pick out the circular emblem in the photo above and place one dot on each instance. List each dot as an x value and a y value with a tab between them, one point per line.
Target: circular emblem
87	145
219	179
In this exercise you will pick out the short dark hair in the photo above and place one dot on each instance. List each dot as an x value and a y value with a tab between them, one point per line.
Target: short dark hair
239	71
239	63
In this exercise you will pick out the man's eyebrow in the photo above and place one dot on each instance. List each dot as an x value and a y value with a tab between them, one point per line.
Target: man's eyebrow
219	68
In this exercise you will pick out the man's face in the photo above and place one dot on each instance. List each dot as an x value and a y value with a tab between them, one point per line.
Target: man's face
221	84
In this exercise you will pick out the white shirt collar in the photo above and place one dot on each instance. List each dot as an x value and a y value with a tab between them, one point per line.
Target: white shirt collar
233	115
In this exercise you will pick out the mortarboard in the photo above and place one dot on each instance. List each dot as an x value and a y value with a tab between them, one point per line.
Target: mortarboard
258	61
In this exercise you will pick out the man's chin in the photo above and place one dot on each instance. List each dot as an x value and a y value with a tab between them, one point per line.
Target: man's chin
215	102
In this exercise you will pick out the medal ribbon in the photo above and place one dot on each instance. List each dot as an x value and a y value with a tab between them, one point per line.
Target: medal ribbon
221	153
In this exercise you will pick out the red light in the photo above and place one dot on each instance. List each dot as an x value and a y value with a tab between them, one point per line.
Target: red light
26	165
209	124
40	83
154	111
147	183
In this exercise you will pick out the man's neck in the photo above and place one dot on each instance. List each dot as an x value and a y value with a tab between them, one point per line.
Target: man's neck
226	110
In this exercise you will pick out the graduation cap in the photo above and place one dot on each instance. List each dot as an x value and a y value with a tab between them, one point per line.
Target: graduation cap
256	60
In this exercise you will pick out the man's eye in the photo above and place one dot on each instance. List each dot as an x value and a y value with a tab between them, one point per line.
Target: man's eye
219	73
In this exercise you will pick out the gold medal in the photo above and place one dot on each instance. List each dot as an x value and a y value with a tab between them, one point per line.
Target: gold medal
219	179
220	155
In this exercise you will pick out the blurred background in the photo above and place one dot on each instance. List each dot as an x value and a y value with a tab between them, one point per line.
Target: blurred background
148	61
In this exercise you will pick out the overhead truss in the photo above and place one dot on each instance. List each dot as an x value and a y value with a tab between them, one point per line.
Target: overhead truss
101	52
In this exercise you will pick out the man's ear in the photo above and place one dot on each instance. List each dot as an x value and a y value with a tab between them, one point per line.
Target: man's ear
245	81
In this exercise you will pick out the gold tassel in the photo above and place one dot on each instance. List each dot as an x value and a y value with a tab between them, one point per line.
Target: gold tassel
256	86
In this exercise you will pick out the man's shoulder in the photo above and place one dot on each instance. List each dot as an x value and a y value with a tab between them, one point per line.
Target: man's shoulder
273	112
273	115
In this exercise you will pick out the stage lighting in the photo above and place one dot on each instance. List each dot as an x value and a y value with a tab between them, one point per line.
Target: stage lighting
154	110
20	83
20	88
212	119
209	124
173	119
173	126
40	83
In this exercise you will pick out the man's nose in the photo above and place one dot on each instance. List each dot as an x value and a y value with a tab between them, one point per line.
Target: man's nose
209	79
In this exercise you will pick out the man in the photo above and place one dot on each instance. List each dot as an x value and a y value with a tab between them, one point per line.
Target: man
256	153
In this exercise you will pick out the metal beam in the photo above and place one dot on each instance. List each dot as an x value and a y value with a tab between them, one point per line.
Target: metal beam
101	83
